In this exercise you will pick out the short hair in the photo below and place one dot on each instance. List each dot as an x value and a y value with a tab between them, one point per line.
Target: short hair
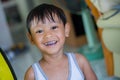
45	11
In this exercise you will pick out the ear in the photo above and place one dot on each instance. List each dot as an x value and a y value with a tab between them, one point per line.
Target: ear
67	29
30	38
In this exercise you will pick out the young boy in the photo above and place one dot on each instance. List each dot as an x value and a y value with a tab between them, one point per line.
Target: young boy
47	29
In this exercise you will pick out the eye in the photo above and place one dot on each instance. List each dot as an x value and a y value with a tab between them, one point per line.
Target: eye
39	31
54	27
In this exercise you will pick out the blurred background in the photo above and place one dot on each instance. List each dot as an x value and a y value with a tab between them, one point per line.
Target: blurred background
82	39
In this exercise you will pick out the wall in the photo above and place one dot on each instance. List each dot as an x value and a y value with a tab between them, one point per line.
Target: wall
5	36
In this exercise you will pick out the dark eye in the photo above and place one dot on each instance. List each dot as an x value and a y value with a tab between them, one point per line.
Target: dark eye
54	27
39	31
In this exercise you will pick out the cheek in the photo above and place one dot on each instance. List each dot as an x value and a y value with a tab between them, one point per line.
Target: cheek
37	39
39	42
61	34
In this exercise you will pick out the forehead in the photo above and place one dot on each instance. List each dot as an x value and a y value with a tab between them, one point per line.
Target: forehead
46	20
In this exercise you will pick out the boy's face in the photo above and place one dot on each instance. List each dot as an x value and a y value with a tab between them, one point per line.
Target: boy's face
49	36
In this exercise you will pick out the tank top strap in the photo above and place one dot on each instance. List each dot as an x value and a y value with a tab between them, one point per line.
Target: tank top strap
38	72
75	71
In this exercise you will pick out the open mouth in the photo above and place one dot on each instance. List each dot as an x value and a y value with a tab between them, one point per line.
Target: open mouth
50	43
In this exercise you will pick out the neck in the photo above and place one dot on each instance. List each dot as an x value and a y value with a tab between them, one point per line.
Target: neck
53	59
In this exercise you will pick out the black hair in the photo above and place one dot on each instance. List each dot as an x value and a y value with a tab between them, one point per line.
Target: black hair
45	11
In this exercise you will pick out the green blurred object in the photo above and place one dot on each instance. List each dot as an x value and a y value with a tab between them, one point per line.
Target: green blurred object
92	53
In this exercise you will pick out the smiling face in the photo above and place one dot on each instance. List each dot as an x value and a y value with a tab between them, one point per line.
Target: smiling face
49	36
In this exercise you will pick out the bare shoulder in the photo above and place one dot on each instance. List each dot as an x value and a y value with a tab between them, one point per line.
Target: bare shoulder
29	75
81	60
85	66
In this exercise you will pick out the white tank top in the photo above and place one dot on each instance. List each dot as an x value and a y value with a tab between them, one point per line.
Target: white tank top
75	72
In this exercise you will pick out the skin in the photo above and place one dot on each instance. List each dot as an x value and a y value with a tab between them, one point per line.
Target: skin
54	63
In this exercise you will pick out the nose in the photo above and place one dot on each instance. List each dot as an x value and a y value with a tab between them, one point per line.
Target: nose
48	34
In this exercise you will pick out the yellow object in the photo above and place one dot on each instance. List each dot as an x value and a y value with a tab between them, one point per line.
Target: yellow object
5	70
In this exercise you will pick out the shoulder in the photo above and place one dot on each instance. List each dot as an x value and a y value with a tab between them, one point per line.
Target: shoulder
81	59
85	66
79	56
29	75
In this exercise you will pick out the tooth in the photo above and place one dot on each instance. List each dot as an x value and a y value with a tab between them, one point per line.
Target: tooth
49	43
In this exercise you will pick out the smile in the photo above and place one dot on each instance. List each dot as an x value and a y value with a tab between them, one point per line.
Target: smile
50	43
